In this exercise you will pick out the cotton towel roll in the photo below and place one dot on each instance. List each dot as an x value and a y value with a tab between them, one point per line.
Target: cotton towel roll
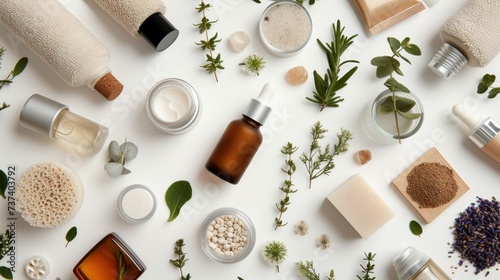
62	42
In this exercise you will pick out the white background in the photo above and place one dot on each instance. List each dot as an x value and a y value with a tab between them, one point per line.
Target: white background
164	159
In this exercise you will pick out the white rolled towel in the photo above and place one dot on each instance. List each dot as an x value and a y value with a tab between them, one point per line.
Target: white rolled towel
62	42
142	18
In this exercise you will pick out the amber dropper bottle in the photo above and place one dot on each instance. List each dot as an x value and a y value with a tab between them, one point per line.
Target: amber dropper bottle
241	139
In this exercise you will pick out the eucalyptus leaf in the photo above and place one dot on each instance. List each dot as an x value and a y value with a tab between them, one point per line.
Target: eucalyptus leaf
409	115
394	85
416	228
70	235
405	42
114	169
381	61
129	150
176	196
384	71
482	88
404	104
3	183
384	110
395	44
493	92
114	151
5	272
412	49
20	66
125	171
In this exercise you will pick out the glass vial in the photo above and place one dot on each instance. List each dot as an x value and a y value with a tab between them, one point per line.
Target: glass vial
143	19
241	139
471	36
48	117
411	264
62	42
104	259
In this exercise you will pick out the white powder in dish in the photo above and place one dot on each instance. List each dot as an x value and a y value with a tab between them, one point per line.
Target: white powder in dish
137	203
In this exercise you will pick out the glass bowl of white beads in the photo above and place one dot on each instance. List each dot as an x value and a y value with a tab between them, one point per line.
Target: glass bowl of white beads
227	235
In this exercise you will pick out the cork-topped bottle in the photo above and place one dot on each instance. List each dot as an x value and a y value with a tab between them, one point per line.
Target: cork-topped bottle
62	42
241	139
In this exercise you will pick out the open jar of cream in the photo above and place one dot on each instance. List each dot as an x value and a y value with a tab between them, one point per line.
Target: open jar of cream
285	28
173	106
136	204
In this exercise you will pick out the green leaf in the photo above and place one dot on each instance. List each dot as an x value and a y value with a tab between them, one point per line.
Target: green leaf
114	151
482	88
412	49
395	45
3	183
382	61
384	71
5	272
409	115
485	83
404	104
20	66
405	42
176	196
114	169
493	92
394	85
70	235
129	150
416	228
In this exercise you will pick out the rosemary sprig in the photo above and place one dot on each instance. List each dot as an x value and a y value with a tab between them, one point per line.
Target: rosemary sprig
287	150
181	258
213	63
486	83
321	161
386	67
18	69
368	269
328	86
307	271
122	265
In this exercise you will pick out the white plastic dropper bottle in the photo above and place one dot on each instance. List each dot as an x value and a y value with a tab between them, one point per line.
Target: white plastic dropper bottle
241	139
62	42
484	132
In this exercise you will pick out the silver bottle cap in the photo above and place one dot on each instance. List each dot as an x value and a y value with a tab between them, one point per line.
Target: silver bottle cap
39	113
409	262
485	132
447	61
259	109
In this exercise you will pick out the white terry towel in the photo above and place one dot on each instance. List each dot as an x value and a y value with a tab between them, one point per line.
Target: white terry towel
131	13
477	26
57	37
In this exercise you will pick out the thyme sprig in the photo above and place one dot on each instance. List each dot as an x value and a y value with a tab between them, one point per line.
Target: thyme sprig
181	258
288	151
328	86
369	268
307	271
18	69
386	67
123	268
486	84
320	161
213	63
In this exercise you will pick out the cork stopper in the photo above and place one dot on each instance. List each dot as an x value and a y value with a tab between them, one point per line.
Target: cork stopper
108	86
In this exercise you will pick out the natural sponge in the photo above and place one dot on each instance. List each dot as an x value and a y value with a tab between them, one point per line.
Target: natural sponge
48	194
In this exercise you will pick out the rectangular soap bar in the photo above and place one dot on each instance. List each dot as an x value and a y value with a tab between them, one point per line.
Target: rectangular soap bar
360	205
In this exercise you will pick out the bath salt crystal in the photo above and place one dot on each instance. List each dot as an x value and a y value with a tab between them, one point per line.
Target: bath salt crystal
238	41
297	75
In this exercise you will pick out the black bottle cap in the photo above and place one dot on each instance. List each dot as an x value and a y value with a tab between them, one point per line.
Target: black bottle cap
158	31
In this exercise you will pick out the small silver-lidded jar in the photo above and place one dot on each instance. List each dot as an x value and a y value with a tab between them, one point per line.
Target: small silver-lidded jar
285	28
173	106
136	204
227	235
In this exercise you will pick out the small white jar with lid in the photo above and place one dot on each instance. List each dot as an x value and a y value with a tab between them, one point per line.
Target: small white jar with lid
136	204
173	106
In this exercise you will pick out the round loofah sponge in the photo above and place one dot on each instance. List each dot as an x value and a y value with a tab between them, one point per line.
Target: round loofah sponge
48	194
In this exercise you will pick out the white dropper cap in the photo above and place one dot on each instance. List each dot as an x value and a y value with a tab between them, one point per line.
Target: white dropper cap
470	120
481	130
259	109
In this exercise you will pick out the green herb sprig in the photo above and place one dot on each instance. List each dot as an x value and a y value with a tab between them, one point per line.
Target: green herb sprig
328	86
307	271
209	43
253	64
368	269
118	155
288	151
181	258
320	161
386	67
18	69
486	84
123	267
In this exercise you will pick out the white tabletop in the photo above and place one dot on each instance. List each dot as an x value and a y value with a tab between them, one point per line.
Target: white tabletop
164	158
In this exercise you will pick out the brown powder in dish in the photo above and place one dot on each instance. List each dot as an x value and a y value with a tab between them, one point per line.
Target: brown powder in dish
431	184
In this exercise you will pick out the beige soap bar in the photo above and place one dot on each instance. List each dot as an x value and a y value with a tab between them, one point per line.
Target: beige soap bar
361	206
